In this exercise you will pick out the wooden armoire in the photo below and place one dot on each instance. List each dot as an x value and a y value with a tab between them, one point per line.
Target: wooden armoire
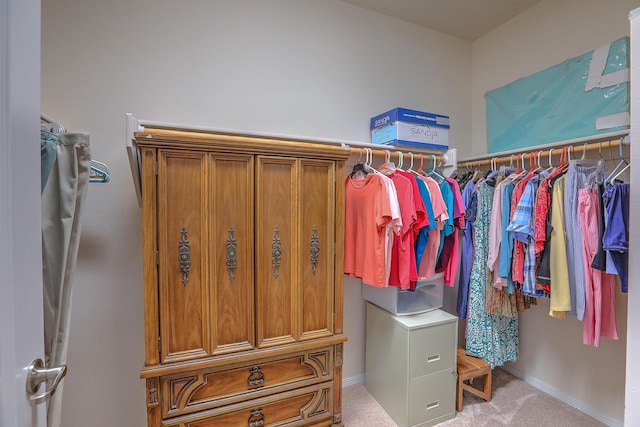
243	279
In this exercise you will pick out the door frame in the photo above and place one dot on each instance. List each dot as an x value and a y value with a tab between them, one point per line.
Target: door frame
21	315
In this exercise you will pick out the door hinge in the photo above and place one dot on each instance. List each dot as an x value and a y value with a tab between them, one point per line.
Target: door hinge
334	249
159	345
156	168
157	257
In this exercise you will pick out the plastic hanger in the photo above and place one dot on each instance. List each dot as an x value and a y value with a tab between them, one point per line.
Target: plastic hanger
388	167
359	168
369	162
50	125
583	161
99	172
620	172
622	163
432	172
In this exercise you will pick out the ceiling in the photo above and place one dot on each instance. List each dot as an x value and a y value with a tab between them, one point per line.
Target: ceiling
465	19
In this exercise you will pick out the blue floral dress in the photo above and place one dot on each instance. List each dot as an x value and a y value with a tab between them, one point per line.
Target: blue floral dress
491	337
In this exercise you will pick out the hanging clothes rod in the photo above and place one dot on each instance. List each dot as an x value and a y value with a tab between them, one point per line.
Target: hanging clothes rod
575	150
406	155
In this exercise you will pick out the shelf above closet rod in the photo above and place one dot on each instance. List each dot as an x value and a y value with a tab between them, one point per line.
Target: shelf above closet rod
555	149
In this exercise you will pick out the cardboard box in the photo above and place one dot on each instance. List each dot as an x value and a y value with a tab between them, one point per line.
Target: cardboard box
401	126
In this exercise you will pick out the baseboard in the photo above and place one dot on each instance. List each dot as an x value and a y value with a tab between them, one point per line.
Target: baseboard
358	379
580	406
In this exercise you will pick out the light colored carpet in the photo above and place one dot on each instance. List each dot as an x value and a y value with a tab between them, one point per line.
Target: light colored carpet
514	403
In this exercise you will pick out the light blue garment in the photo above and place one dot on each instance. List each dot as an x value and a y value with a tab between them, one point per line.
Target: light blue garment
491	337
48	154
577	177
506	248
423	233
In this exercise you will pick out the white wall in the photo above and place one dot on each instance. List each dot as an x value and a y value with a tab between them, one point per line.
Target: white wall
551	350
316	68
632	395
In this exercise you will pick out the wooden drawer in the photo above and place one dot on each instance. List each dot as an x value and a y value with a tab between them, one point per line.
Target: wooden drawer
432	397
209	388
308	406
432	349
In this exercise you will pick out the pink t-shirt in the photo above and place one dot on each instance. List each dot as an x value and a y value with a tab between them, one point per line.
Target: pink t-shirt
495	235
458	204
367	212
451	269
394	226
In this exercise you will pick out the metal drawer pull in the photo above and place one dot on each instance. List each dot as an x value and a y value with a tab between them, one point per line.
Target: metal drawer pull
433	358
256	377
276	253
256	419
184	255
433	405
232	254
315	249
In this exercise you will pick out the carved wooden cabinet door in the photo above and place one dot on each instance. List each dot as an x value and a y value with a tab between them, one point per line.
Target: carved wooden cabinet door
231	215
295	229
205	247
317	238
277	250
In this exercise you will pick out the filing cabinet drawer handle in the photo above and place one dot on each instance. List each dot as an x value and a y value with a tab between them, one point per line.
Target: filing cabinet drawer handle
256	419
433	405
256	377
433	358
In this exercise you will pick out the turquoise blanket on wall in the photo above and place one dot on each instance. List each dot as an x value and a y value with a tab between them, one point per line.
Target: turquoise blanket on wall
581	97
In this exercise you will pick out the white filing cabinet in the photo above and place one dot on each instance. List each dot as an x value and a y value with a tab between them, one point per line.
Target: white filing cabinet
411	365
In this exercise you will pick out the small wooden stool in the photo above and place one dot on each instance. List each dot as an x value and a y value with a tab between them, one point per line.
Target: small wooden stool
472	367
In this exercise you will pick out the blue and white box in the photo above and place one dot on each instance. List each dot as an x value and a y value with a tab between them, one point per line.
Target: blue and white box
401	126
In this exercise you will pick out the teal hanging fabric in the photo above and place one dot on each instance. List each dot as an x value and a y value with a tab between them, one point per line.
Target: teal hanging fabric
48	143
582	97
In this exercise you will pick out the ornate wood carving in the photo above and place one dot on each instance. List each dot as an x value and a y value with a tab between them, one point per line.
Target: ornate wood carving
319	406
152	391
320	363
180	389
